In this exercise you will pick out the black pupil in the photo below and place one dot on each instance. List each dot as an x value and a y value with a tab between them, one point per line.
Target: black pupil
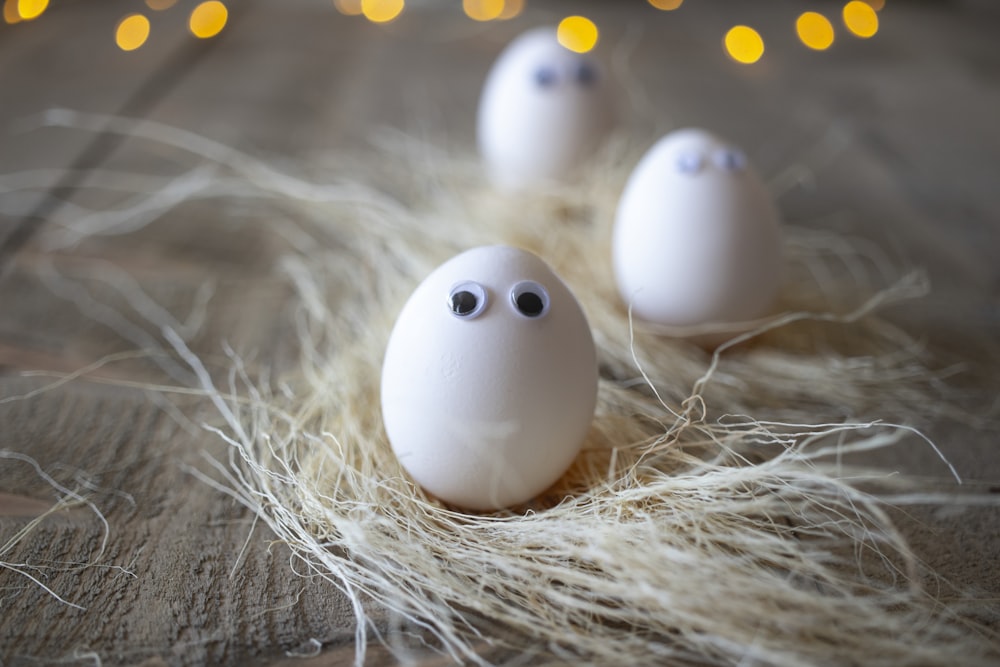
545	77
530	304
463	303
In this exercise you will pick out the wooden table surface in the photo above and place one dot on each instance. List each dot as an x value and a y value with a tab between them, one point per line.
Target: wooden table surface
899	134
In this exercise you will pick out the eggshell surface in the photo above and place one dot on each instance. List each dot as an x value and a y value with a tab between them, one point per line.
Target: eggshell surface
543	110
486	403
696	238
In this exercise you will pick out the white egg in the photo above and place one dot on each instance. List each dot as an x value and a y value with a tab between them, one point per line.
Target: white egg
489	381
543	110
696	237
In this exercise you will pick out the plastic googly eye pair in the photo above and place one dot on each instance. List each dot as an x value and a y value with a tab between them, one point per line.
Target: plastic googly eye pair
728	159
468	299
546	76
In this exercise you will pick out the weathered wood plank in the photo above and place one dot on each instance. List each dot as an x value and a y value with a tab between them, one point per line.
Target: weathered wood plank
167	585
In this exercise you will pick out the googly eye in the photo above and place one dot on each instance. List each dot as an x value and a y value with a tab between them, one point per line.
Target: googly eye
586	74
530	299
545	76
467	300
690	162
730	159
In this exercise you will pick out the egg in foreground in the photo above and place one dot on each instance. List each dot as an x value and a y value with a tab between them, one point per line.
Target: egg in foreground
489	381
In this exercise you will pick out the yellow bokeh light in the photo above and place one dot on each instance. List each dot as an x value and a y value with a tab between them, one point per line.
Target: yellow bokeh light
744	44
815	31
577	33
381	11
348	7
132	32
511	8
666	5
482	10
877	5
31	9
10	13
160	5
860	18
208	19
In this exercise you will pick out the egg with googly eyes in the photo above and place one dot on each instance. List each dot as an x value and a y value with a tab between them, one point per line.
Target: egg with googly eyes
696	237
543	111
489	380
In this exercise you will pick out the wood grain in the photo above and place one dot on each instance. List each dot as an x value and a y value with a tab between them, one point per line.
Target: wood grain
169	584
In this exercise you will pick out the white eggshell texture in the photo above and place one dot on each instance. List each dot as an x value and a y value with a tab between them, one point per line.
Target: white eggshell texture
488	411
696	237
543	110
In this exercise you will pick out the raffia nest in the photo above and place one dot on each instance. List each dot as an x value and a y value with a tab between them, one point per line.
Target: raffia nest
716	514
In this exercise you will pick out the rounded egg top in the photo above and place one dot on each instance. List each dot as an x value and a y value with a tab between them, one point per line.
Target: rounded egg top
696	236
489	381
543	109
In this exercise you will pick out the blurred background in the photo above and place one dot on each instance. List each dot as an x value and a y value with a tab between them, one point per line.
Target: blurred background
908	87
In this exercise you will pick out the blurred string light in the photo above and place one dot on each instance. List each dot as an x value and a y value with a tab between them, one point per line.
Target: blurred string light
577	33
814	30
31	9
160	5
208	19
348	7
511	8
10	13
483	10
132	32
860	18
381	11
744	44
666	5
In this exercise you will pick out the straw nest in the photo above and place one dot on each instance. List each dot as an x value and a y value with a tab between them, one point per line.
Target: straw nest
717	513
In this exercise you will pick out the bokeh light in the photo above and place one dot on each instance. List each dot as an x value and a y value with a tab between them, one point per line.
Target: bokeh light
815	31
381	11
511	8
482	10
744	44
160	5
348	7
10	13
132	32
31	9
860	18
577	33
208	19
877	5
666	5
